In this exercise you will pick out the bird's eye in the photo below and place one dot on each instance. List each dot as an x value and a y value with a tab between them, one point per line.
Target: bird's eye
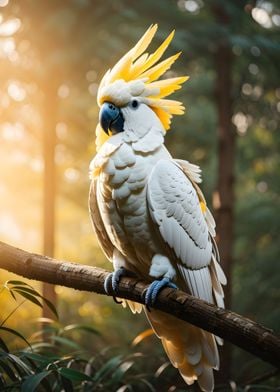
134	104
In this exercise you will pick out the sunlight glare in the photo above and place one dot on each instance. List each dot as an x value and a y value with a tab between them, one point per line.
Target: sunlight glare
10	27
37	165
19	157
92	88
61	130
12	132
7	47
3	3
253	69
71	174
190	5
242	122
16	92
91	75
276	19
262	17
63	91
247	89
262	186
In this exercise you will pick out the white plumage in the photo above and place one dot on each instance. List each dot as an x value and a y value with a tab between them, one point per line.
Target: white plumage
148	218
148	212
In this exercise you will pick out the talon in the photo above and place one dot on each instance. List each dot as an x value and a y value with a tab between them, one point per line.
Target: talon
112	281
155	287
108	283
117	277
143	296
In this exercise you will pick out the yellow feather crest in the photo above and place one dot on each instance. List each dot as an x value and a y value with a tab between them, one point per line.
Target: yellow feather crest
136	75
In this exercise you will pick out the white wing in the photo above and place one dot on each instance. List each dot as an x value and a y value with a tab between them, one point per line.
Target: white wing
174	206
97	222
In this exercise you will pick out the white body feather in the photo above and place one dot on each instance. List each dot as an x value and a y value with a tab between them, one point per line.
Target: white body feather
146	211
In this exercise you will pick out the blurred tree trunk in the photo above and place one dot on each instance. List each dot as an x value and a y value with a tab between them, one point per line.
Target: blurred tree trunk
49	140
224	194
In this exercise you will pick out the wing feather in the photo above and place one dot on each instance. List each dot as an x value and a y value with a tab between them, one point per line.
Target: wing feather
174	206
97	222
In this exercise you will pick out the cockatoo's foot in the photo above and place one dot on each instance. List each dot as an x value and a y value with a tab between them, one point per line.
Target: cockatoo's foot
155	287
113	279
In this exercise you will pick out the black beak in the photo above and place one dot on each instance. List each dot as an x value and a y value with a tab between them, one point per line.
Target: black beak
111	118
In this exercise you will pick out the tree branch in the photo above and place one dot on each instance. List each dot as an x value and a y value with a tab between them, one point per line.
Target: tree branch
238	330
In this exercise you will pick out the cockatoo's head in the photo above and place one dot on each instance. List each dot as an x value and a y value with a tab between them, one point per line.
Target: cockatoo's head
130	94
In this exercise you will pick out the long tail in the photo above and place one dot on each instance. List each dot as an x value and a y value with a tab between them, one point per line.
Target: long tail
190	349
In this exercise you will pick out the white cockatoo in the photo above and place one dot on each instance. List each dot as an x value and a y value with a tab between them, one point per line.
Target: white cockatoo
149	215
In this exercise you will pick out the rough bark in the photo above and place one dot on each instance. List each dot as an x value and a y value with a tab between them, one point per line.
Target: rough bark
239	330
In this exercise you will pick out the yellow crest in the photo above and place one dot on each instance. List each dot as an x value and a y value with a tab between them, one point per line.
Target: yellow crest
137	73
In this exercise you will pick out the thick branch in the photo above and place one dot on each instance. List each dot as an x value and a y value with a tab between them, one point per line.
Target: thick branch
236	329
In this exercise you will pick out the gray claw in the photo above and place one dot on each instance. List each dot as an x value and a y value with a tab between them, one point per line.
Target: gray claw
155	287
112	281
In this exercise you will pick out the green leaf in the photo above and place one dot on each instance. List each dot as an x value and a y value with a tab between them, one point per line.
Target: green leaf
3	345
32	382
125	388
17	362
26	289
120	371
16	333
67	384
10	372
12	294
16	282
73	375
148	384
66	342
161	369
108	367
41	345
28	296
39	359
82	327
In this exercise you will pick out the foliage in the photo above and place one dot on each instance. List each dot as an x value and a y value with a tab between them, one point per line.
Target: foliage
54	361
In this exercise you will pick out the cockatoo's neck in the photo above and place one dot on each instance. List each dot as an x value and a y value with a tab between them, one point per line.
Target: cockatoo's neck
139	140
144	140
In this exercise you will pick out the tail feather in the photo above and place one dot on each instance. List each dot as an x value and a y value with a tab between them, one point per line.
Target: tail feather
190	349
206	380
188	373
210	350
176	355
135	307
193	349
